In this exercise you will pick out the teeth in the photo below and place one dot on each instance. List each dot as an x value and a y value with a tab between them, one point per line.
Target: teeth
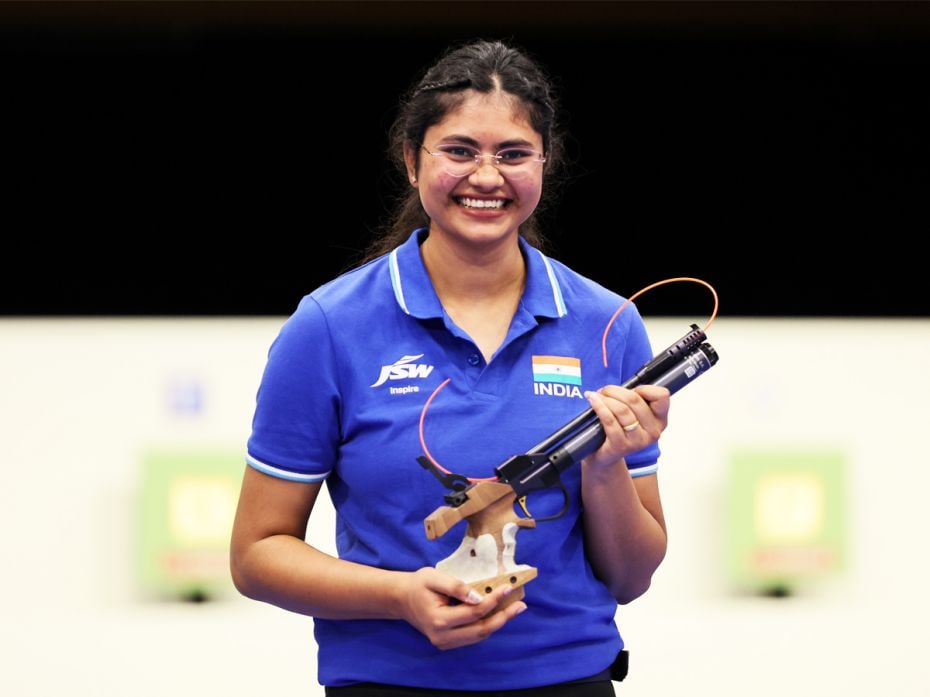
481	203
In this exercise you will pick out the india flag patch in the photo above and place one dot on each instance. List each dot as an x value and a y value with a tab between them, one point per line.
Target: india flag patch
557	369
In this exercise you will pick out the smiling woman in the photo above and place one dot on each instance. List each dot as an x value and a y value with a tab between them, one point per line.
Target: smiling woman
457	294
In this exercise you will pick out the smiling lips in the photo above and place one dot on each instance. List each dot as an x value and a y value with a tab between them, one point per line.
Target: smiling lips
481	203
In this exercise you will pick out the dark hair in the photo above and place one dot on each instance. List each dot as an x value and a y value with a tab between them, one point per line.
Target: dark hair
481	66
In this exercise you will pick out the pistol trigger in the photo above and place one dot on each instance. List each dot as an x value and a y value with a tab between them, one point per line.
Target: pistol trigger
522	502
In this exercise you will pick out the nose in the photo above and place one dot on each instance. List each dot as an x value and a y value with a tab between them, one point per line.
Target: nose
486	172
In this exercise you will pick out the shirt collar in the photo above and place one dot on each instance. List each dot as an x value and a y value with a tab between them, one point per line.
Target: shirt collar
414	292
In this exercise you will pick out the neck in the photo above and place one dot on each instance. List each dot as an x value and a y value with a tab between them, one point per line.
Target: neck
466	275
481	293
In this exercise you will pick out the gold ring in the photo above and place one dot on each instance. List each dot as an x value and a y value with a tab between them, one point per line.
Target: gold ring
632	427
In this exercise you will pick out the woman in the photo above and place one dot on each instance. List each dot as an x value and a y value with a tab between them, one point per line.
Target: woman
457	306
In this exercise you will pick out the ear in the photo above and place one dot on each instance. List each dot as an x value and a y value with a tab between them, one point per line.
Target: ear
410	157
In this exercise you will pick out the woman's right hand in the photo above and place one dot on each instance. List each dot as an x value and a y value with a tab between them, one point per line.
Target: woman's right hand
425	599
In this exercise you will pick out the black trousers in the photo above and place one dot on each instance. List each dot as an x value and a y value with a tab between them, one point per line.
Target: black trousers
600	685
601	688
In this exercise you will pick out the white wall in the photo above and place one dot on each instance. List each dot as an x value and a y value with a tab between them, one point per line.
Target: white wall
80	400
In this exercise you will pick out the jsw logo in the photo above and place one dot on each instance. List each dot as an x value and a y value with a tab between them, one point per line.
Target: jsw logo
402	369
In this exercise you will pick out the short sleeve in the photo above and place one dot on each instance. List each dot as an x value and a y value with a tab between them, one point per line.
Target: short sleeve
295	427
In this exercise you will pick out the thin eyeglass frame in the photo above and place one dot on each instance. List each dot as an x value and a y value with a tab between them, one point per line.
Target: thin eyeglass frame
479	159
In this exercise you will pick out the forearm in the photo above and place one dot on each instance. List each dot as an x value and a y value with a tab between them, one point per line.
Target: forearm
285	571
624	528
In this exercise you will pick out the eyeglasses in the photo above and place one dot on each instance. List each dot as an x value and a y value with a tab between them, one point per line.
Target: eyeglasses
461	160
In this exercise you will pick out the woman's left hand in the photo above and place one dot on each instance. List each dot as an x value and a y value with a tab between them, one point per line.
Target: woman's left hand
632	419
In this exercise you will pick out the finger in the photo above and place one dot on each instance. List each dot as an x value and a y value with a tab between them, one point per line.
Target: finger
656	402
654	397
472	597
515	609
468	625
599	405
488	600
492	600
614	413
645	402
483	627
652	393
450	586
479	630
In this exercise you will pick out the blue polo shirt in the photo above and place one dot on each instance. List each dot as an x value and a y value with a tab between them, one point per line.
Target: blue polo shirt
340	400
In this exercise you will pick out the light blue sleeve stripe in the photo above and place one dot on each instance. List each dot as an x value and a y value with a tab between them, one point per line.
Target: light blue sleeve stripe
642	471
284	474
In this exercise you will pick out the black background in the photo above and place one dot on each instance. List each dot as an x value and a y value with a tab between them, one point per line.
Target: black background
185	158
